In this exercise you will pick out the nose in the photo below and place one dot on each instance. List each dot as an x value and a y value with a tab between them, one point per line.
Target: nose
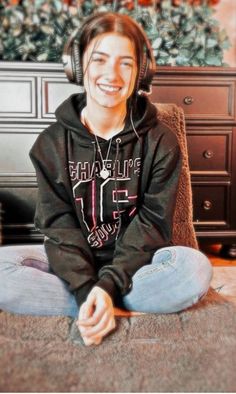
112	71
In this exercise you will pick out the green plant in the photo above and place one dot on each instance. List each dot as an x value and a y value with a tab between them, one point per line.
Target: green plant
187	36
183	35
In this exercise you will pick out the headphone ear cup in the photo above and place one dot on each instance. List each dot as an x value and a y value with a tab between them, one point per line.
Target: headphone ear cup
67	61
77	64
146	74
71	59
142	71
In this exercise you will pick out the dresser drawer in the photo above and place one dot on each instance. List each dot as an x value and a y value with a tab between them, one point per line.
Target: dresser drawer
16	143
18	96
209	100
210	204
209	153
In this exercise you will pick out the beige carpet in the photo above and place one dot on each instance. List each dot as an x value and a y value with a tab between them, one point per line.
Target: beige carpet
224	282
191	351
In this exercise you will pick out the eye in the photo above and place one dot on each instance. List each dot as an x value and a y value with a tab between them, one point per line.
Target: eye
126	64
98	60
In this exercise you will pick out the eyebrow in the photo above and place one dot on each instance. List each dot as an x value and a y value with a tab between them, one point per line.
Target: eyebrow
106	54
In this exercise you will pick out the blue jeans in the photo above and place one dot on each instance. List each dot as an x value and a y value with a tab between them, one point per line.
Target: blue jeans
177	278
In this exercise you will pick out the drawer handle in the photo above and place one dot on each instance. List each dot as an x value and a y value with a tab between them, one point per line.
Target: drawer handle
207	205
188	100
208	154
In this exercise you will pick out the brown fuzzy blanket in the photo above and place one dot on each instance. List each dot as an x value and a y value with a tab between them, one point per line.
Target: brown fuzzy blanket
191	351
183	230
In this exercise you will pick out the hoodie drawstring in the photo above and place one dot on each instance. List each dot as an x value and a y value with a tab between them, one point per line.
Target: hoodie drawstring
118	141
133	127
94	157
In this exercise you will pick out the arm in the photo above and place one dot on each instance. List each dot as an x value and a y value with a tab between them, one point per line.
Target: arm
151	228
68	252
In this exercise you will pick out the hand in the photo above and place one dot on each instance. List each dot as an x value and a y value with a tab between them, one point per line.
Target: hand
84	311
96	316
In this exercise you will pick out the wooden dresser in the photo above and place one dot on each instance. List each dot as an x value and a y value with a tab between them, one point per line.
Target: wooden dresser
30	93
208	97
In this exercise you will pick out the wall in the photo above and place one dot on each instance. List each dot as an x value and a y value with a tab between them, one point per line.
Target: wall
226	15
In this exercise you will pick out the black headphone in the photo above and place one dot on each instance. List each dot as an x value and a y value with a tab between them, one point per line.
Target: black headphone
72	62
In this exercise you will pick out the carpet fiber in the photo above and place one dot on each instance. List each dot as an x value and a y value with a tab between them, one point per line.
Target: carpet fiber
191	351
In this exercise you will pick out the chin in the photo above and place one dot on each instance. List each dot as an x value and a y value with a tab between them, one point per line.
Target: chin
109	102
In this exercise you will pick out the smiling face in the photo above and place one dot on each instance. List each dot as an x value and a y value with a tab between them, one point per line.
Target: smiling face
110	70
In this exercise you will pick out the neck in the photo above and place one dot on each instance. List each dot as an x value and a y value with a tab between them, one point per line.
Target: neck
104	122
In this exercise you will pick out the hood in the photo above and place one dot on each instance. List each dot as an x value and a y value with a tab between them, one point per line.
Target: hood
144	118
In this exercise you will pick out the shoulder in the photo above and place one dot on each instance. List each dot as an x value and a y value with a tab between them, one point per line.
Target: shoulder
163	137
52	134
49	142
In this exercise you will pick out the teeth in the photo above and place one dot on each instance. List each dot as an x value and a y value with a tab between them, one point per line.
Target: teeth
109	88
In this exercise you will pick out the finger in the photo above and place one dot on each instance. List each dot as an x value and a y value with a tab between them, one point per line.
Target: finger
98	339
111	326
101	326
97	316
88	308
89	342
85	328
103	332
91	331
82	329
82	312
92	340
85	312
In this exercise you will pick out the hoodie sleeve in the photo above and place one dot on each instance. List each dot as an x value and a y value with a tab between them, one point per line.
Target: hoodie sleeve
151	228
68	253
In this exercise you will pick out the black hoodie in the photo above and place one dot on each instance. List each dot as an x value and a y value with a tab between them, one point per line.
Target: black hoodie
101	231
